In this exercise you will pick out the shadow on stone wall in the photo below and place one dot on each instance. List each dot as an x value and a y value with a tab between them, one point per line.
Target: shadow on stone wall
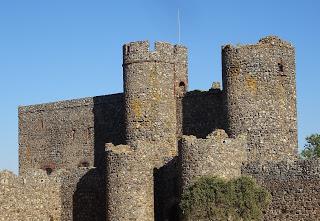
108	125
166	192
202	112
89	199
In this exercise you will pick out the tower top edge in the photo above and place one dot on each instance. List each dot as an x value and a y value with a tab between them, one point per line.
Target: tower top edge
267	41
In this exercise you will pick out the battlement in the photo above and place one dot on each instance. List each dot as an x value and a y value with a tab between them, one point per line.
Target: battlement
217	155
217	140
139	51
275	41
26	197
33	177
268	41
62	195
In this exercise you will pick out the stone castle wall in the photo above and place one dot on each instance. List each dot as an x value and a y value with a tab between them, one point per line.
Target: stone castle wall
294	187
64	195
202	112
69	134
34	196
217	155
260	91
83	195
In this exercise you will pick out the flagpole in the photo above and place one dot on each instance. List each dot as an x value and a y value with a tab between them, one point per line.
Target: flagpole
179	37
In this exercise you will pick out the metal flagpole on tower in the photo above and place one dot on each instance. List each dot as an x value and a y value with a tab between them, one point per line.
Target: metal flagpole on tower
179	37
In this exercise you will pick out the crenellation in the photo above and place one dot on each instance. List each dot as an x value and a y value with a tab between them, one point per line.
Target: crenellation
164	52
26	197
62	195
275	40
216	155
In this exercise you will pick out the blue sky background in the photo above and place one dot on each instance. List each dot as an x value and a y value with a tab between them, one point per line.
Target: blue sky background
63	49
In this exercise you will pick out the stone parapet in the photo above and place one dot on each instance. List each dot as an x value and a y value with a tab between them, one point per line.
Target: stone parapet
217	155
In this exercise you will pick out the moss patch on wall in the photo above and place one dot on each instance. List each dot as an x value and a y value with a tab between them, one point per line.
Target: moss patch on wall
251	83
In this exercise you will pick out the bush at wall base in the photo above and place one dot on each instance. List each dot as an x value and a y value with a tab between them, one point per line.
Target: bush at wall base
213	198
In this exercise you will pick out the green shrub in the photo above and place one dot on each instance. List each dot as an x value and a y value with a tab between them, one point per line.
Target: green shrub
312	147
212	198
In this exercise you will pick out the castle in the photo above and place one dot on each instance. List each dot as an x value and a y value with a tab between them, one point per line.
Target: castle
129	156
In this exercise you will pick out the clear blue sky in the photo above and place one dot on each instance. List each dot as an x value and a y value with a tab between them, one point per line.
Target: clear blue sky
63	49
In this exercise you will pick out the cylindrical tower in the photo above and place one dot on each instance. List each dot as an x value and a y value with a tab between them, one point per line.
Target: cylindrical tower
260	93
217	155
129	185
151	83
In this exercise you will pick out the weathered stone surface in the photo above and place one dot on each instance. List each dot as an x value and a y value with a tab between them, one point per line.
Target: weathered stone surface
202	112
129	184
259	83
152	82
63	195
141	173
34	196
294	187
69	134
217	155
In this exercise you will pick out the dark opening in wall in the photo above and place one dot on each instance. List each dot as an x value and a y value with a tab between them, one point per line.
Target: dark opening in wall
280	66
48	170
84	164
182	84
42	124
182	88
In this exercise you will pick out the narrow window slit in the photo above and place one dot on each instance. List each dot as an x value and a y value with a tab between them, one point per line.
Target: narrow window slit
280	67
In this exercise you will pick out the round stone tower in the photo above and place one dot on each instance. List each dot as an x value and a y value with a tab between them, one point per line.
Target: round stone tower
260	92
152	82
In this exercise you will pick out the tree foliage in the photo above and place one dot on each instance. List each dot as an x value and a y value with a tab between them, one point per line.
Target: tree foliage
212	198
312	147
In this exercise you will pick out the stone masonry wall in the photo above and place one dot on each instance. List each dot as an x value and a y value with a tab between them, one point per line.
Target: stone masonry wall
202	112
83	195
294	187
217	155
69	134
150	93
77	195
34	196
260	90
